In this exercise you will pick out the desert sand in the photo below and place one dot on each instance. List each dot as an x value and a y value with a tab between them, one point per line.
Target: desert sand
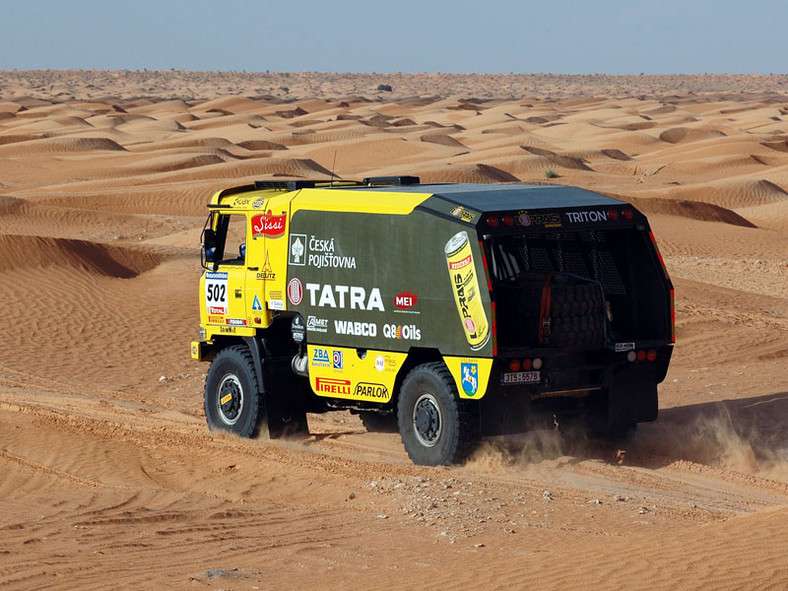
109	477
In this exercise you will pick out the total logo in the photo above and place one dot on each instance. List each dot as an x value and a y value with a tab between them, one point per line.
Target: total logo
408	332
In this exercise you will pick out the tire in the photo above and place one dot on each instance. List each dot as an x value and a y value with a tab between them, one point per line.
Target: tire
377	422
231	378
436	426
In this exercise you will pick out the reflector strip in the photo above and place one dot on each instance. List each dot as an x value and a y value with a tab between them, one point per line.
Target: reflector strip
493	326
659	255
672	316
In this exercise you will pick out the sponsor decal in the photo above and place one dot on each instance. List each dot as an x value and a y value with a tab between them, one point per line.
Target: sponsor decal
236	321
315	324
385	363
463	214
405	300
216	293
624	347
256	304
371	390
267	224
577	217
297	329
520	377
343	296
548	220
461	264
276	304
359	329
470	378
338	359
462	273
298	249
332	386
321	254
266	274
295	291
408	332
317	252
258	203
215	319
320	358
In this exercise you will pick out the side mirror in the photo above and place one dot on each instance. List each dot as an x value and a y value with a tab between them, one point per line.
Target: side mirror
209	245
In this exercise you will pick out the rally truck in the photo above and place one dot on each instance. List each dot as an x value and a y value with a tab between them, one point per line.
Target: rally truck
448	312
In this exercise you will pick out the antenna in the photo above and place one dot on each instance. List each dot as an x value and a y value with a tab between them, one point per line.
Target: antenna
333	168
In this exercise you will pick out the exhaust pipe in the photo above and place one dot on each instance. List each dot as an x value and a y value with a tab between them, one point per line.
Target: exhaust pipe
300	365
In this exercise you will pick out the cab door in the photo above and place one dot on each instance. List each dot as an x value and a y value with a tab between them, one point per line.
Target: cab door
225	293
270	251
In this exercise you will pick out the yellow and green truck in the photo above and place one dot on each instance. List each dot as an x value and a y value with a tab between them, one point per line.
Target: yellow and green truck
447	311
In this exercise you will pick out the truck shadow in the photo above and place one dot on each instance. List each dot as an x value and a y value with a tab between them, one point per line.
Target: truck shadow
747	435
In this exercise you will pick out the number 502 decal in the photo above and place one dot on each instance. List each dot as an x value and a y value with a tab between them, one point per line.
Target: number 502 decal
216	293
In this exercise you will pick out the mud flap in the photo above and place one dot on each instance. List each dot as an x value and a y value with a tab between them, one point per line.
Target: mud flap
284	405
632	397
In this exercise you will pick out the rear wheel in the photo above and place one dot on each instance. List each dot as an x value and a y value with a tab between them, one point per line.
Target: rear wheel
232	402
437	428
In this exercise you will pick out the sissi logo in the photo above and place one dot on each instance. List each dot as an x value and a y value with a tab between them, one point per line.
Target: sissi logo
266	224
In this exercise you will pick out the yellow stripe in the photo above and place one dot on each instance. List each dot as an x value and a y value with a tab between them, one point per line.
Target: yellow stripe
358	201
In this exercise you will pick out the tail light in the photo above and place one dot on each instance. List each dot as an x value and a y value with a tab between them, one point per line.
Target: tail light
524	364
642	355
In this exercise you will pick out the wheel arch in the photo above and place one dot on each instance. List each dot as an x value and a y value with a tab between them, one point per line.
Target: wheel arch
416	356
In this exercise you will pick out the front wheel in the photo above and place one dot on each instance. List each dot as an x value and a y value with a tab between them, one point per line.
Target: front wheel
437	428
232	402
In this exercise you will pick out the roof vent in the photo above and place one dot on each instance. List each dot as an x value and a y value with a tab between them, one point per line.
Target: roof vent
392	180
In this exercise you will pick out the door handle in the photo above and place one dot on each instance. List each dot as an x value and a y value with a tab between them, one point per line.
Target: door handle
252	268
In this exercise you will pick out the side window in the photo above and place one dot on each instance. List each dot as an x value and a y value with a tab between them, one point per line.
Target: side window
233	229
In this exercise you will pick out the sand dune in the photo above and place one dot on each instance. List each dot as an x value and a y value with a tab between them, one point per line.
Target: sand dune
110	476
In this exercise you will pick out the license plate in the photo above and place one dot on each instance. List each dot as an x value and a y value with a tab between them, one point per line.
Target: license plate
520	377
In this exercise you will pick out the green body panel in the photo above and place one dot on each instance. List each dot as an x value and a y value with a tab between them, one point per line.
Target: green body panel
399	261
